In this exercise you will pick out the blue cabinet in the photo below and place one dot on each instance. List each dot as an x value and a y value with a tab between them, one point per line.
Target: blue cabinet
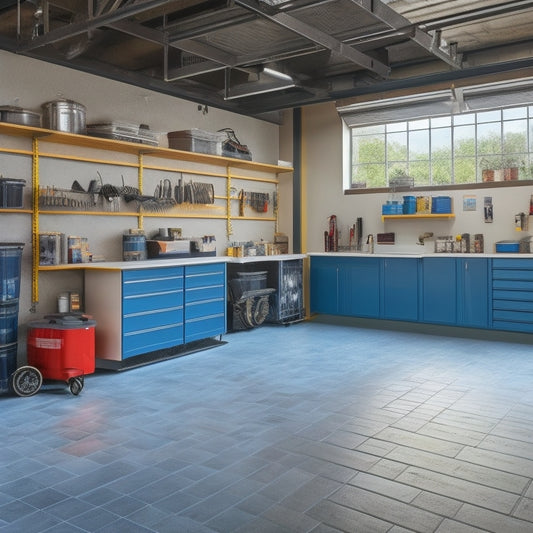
400	288
152	310
455	291
473	291
439	290
346	286
359	287
149	309
512	295
205	301
324	285
451	291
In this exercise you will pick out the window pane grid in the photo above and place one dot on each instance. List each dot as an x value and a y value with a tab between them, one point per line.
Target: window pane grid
459	149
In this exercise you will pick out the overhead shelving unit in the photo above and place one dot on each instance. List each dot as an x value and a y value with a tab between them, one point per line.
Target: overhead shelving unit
230	169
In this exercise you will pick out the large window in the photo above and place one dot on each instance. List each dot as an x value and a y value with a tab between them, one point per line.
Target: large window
466	148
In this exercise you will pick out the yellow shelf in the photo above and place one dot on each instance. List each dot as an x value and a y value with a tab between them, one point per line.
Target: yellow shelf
86	141
66	266
15	210
407	217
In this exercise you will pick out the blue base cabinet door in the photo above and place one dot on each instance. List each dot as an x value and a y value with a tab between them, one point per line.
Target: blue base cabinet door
359	287
324	285
400	289
473	292
439	290
205	301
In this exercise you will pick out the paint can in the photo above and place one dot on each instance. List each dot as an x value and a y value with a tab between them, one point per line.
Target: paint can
133	247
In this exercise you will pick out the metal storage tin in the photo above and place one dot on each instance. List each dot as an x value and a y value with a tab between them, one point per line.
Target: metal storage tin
11	192
17	115
64	115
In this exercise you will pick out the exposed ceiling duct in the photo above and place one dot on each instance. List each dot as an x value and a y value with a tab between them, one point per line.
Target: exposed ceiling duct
261	56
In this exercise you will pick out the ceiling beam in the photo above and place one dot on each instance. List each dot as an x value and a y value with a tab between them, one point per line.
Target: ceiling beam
475	15
396	21
319	37
79	28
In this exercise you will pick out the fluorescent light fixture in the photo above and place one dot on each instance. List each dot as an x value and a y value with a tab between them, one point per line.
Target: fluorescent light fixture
275	81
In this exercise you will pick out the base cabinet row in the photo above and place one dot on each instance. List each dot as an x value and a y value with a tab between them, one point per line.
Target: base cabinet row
447	291
148	309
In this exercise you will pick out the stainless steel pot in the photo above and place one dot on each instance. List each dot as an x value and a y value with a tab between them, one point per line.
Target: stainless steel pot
17	115
64	115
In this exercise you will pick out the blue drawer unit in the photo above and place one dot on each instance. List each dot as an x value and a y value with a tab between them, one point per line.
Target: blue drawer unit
205	301
512	295
152	310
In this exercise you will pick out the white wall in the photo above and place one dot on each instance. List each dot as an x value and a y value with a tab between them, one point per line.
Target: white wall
322	140
29	83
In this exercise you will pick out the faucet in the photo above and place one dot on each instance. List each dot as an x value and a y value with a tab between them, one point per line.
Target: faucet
423	236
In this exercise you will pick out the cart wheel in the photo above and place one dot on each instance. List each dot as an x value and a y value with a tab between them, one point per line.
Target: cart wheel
26	381
76	385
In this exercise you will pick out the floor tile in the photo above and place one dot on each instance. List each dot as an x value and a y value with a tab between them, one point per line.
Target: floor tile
317	427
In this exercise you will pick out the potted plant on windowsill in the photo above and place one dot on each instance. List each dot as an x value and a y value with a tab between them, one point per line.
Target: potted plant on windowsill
499	169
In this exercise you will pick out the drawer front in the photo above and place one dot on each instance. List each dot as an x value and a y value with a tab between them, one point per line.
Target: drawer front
151	273
205	308
512	285
513	263
152	302
154	319
148	340
205	275
520	275
513	326
205	327
135	282
513	305
210	292
521	296
512	316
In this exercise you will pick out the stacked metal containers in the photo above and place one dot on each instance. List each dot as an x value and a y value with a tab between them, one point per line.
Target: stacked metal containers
10	263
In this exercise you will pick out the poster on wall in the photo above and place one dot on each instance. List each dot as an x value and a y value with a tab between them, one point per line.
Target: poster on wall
488	210
469	202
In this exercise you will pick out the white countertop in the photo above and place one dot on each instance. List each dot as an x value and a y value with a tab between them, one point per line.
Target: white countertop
422	255
262	258
177	261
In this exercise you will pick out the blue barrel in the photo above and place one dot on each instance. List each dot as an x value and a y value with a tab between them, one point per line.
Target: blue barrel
9	322
133	247
10	261
8	364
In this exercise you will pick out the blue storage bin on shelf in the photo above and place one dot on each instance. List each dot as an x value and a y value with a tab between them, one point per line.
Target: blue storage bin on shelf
409	205
507	247
441	205
392	208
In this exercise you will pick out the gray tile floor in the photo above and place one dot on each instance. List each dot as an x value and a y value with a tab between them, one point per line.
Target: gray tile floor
313	427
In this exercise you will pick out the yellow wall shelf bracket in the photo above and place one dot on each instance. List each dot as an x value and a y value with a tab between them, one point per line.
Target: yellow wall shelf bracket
35	226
